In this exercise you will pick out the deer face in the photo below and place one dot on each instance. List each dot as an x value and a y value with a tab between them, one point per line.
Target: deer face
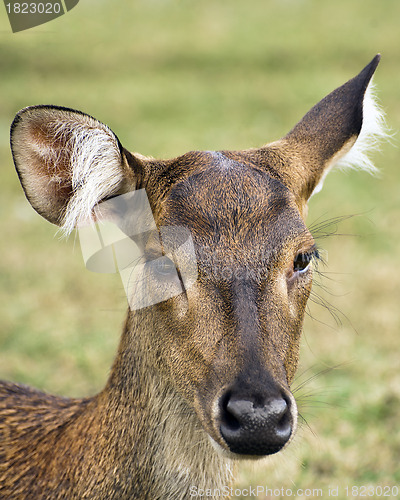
229	342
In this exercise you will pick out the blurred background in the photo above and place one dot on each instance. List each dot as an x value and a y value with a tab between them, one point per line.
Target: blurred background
171	76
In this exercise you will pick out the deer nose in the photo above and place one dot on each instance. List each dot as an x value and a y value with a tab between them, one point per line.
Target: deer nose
255	426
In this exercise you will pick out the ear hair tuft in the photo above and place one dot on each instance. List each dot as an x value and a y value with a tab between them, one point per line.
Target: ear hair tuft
373	131
96	170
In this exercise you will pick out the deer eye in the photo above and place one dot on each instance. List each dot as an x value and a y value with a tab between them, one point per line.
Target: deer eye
301	262
163	266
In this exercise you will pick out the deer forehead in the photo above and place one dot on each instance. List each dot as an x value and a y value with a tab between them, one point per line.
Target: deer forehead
233	207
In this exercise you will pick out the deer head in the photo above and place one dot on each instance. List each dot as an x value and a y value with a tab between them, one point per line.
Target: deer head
228	344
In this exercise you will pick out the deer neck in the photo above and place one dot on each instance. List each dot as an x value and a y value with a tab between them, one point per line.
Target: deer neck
171	453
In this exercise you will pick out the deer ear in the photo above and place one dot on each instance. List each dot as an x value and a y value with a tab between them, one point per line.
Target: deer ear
68	162
339	129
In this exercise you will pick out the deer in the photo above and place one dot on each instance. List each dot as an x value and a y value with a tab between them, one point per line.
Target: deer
202	378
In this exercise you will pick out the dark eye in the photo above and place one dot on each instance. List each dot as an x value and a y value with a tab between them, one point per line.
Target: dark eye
163	266
301	262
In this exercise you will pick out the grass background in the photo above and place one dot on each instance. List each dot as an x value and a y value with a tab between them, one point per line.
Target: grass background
170	76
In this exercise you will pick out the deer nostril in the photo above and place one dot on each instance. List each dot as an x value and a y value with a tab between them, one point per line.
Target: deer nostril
286	420
228	419
251	428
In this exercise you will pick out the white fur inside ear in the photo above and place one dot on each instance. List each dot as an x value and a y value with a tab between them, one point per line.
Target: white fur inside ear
373	131
96	169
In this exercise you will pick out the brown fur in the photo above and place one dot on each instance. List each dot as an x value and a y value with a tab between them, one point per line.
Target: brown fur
155	430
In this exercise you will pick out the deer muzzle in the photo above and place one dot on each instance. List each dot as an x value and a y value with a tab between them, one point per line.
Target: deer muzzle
254	419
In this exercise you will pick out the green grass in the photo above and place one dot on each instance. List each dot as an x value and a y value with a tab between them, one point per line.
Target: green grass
171	76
